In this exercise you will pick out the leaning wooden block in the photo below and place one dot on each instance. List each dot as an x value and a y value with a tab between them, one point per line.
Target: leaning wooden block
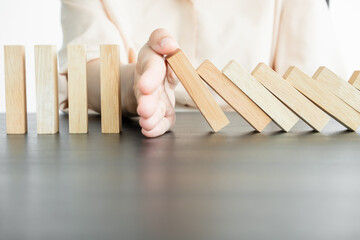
238	100
324	99
277	111
110	89
355	80
15	89
339	87
77	89
47	108
197	90
293	99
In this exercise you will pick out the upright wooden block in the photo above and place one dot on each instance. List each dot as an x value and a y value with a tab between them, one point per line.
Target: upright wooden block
47	103
293	99
197	90
15	89
324	99
339	87
110	89
277	111
77	89
355	80
238	100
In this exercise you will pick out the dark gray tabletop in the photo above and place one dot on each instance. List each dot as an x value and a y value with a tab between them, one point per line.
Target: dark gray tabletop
187	184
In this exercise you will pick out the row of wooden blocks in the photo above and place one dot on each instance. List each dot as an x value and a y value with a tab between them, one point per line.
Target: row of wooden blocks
260	97
264	96
47	107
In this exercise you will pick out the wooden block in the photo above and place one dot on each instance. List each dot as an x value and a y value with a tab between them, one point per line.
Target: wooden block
77	89
276	110
197	90
355	80
110	89
293	99
324	99
339	87
238	100
15	89
47	103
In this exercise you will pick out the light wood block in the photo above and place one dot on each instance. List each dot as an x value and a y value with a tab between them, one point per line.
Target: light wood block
77	89
338	86
293	99
110	89
47	103
276	110
15	89
324	99
238	100
355	80
197	90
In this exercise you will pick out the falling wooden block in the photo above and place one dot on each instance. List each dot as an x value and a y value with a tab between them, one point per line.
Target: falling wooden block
15	89
324	99
110	89
293	99
77	89
276	110
233	96
197	90
47	106
355	80
339	87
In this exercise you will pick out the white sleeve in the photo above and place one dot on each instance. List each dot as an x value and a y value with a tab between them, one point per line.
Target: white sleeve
306	38
84	22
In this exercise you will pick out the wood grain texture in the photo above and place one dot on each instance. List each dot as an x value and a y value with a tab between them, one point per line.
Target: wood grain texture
238	100
197	90
355	80
324	99
15	89
77	89
47	105
276	110
338	86
110	89
292	98
236	185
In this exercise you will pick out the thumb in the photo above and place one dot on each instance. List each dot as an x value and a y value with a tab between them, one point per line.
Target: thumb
162	42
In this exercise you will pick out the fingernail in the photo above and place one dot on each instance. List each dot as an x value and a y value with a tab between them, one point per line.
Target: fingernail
165	41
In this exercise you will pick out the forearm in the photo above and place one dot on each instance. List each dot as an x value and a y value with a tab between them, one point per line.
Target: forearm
128	100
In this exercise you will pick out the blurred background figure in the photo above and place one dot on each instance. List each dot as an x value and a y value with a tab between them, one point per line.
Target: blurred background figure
278	32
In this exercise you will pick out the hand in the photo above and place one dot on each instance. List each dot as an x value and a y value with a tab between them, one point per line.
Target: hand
154	85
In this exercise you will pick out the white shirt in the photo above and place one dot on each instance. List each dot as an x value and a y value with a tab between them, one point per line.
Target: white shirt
280	33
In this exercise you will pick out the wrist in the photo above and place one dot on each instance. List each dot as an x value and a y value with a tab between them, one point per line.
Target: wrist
128	99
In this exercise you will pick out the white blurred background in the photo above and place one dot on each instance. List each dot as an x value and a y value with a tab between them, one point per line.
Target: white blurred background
29	22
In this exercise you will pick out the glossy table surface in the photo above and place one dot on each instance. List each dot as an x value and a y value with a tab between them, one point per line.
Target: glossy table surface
187	184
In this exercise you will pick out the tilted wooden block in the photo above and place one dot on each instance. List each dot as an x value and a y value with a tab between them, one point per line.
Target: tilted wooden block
293	99
110	89
197	90
238	100
47	106
77	89
15	89
343	90
324	99
355	80
277	111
